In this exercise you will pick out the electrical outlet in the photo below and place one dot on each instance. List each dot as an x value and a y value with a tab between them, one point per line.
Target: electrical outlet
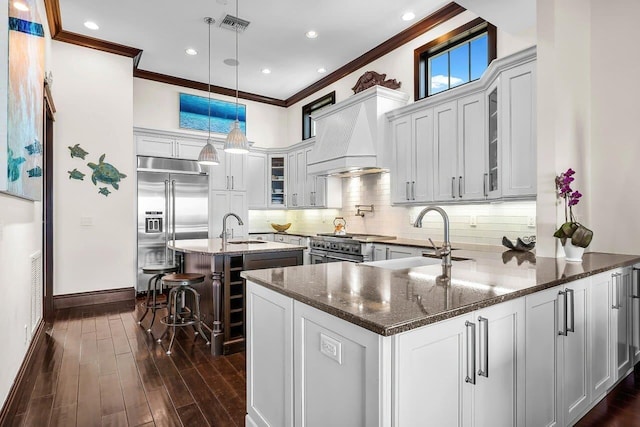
26	334
412	218
531	222
86	221
473	221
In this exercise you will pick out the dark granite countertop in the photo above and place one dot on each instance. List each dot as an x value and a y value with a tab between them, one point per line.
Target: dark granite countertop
215	247
388	302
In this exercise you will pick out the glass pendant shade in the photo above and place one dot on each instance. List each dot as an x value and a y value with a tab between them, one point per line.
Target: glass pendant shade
208	155
236	141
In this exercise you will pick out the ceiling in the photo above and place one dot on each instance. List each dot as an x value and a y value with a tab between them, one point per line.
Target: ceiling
275	39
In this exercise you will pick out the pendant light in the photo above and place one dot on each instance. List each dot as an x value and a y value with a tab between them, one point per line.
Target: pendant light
209	155
236	141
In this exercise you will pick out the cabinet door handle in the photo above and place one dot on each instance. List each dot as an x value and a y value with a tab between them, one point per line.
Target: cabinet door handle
616	287
406	190
413	190
484	347
460	187
453	185
572	307
233	186
227	185
484	184
471	352
563	331
636	287
386	253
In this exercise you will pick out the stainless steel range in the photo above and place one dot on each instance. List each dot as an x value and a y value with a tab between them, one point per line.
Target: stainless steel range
336	248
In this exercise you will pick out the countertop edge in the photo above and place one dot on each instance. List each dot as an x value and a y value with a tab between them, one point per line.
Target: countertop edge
240	252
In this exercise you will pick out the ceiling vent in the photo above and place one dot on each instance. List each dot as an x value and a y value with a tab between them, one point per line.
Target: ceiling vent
233	23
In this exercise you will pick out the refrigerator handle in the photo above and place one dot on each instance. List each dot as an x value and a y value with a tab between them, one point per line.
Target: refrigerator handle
166	221
173	216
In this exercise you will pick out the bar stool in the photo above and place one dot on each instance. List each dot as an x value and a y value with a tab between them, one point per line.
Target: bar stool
151	303
179	317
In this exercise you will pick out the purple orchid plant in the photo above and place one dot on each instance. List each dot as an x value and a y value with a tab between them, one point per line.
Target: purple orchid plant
571	229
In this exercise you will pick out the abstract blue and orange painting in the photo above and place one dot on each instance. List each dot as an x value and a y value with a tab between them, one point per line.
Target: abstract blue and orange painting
25	100
194	114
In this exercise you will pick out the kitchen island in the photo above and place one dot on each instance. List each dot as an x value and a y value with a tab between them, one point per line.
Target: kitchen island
222	294
355	344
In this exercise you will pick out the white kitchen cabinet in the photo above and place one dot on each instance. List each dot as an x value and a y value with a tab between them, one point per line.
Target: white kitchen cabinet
518	130
557	354
277	181
412	157
168	146
267	237
459	148
223	202
230	173
257	180
635	314
467	371
492	184
379	252
600	331
621	322
269	358
297	179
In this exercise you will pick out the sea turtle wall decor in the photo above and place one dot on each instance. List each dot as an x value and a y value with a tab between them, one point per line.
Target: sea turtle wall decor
13	163
104	191
76	174
105	172
77	151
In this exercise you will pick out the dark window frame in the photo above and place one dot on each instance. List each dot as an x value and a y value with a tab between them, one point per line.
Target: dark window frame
448	41
310	108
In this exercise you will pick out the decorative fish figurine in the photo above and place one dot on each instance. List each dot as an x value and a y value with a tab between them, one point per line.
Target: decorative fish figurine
105	172
35	172
104	191
77	151
76	174
13	164
35	148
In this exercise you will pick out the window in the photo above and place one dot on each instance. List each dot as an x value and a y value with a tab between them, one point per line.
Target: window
454	59
308	124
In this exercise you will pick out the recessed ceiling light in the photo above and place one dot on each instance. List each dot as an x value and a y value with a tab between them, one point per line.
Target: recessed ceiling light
322	70
91	25
311	34
266	71
191	51
20	6
408	16
232	62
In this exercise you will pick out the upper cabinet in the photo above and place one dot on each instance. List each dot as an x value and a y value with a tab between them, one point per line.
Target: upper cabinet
168	146
257	179
230	173
473	143
518	124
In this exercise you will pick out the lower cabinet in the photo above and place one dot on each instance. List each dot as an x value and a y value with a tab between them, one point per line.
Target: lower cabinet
381	252
467	371
635	315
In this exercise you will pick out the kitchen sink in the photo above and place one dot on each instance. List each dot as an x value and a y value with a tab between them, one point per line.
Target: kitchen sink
245	242
404	263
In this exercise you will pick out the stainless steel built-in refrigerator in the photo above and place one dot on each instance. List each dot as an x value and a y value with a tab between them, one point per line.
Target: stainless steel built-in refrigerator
173	202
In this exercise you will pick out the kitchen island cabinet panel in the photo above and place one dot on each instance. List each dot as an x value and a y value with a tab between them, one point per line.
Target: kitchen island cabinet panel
635	314
270	374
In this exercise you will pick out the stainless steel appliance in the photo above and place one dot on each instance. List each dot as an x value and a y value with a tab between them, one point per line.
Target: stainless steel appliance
173	203
328	247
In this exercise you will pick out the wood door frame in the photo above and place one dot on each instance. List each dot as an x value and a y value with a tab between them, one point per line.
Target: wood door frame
47	205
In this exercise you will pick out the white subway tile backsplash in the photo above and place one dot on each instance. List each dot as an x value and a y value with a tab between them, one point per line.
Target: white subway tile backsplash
493	220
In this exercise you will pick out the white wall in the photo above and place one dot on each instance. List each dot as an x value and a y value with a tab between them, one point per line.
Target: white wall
157	105
94	235
615	153
20	237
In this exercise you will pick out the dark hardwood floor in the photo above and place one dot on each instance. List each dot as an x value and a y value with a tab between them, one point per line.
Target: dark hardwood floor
100	368
620	408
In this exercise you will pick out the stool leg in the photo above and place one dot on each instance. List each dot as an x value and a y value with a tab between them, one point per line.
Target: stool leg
146	304
198	320
155	305
170	298
175	320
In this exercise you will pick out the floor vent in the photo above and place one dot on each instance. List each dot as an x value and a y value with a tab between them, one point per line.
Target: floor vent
36	289
233	23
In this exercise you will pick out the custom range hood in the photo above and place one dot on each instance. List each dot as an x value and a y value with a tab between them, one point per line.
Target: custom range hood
351	135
